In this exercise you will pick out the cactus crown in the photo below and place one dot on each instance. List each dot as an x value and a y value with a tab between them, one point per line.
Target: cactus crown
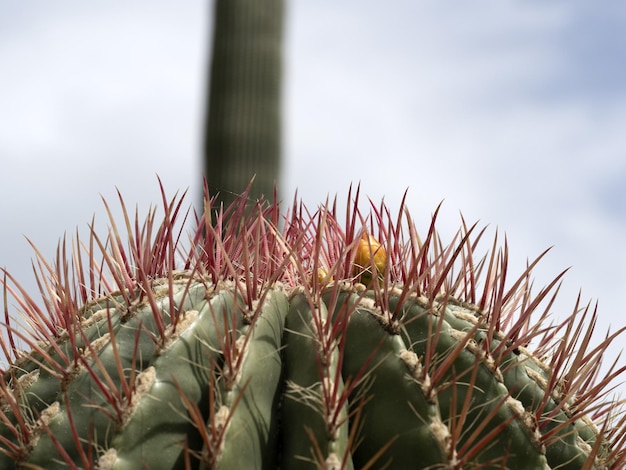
141	288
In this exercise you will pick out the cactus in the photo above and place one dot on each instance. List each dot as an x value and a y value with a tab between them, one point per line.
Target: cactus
287	341
243	123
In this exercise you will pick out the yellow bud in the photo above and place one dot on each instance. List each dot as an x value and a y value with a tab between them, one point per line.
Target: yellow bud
369	251
323	277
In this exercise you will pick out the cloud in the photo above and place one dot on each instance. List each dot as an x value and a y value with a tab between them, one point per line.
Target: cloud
94	97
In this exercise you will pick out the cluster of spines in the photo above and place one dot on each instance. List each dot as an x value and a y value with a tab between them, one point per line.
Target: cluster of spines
246	247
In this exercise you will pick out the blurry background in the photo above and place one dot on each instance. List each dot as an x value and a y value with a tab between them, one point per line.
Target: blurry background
512	112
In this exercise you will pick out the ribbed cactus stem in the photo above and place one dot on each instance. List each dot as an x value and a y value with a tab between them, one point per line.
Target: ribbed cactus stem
301	347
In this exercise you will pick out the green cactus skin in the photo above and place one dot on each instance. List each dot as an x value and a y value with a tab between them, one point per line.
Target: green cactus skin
239	354
244	123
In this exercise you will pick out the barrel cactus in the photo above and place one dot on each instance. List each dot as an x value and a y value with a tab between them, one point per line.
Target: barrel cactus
296	340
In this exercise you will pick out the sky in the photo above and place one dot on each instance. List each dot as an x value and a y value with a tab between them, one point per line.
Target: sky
510	112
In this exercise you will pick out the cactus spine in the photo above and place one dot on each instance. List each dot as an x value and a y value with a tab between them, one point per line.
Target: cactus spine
310	346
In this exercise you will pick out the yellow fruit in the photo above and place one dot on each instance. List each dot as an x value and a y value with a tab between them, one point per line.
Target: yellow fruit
369	252
323	276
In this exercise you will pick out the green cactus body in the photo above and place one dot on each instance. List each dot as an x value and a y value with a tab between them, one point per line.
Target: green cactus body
245	357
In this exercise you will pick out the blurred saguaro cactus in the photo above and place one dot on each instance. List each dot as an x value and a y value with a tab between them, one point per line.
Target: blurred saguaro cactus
243	136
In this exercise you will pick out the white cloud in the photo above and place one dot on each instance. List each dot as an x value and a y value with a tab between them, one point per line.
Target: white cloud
95	97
